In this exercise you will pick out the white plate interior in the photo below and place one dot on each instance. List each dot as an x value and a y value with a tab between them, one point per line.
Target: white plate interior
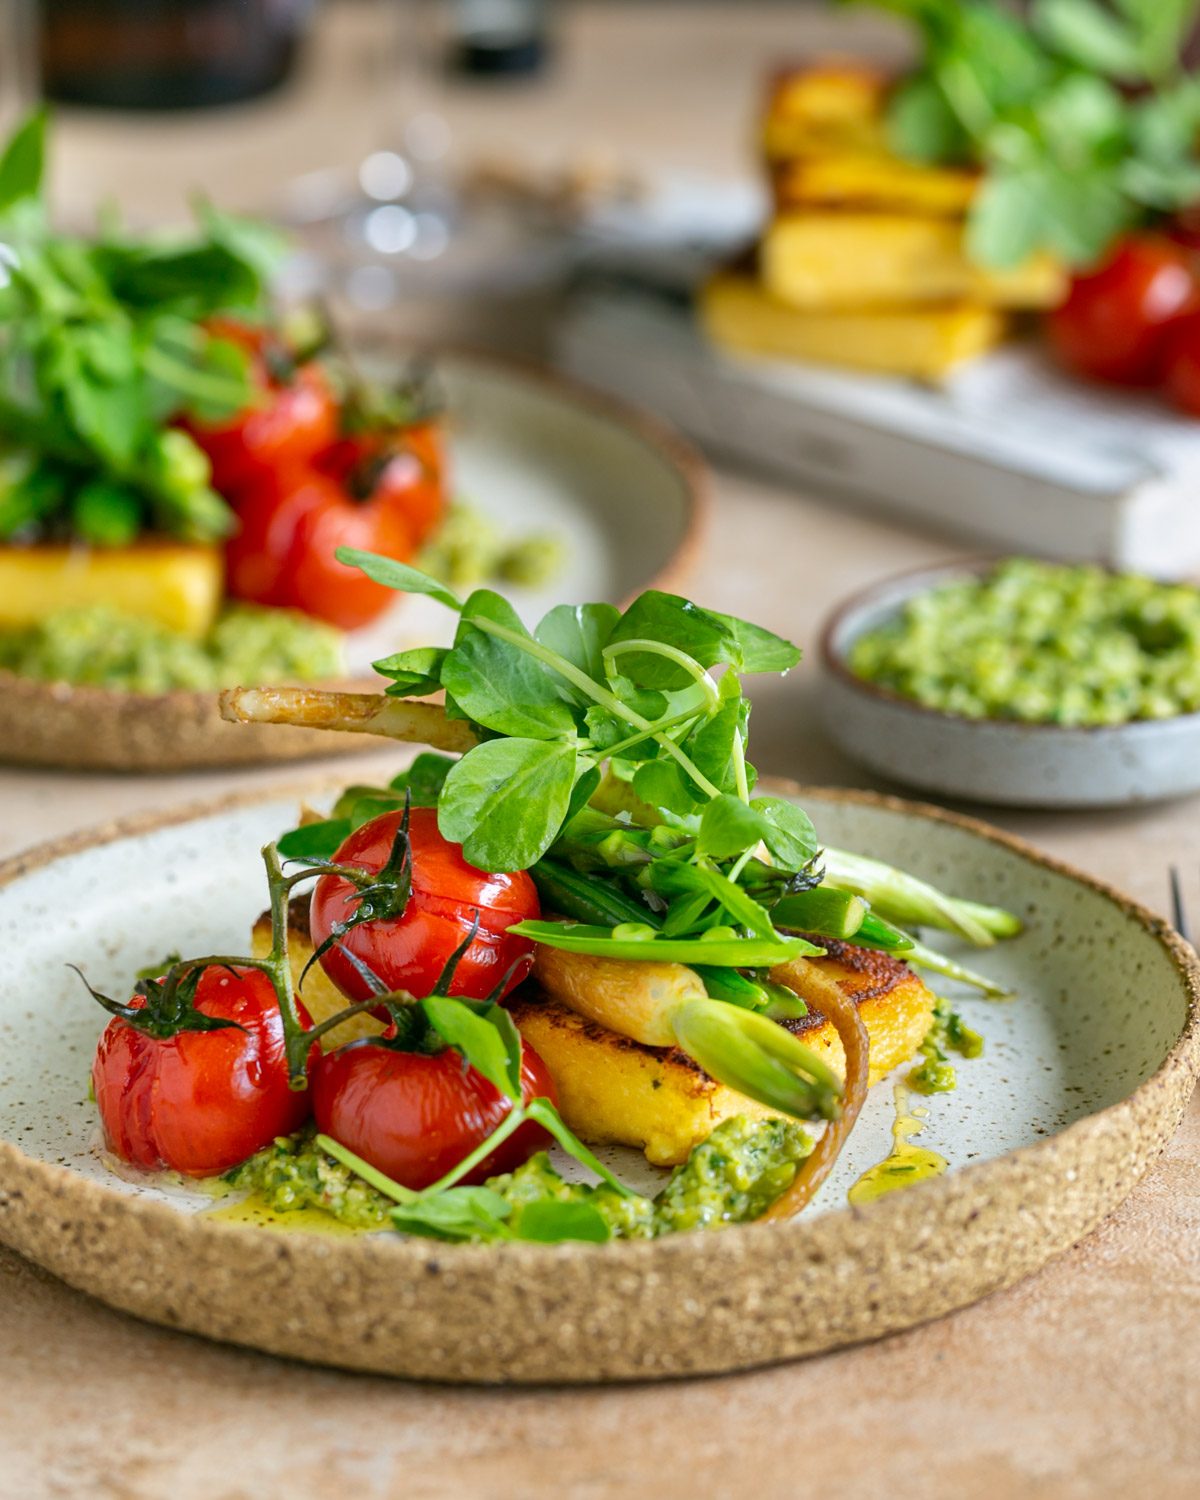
535	459
1098	1002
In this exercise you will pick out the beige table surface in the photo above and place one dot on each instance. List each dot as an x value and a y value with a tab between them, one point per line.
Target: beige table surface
1083	1381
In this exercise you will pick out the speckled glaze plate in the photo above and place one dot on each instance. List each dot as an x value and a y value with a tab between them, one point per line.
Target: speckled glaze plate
534	455
1085	1076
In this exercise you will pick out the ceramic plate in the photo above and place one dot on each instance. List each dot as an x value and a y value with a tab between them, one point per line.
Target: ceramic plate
533	454
1084	1077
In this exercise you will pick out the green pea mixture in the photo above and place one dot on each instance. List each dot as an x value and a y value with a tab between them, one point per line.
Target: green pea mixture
1043	643
104	647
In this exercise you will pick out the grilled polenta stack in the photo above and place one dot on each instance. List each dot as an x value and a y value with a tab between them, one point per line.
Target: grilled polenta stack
863	263
615	1090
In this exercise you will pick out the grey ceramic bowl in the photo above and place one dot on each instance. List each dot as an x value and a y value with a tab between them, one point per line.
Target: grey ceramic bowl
991	760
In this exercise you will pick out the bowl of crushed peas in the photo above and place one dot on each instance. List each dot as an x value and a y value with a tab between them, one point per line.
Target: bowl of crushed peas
1021	682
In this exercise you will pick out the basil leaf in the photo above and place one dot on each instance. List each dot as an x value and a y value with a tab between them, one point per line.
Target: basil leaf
414	674
23	162
677	622
549	1222
458	1213
789	833
315	840
761	650
496	683
482	1040
579	633
506	800
397	575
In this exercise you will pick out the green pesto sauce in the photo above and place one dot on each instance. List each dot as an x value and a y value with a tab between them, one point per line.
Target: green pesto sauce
730	1178
1043	643
948	1033
104	647
469	549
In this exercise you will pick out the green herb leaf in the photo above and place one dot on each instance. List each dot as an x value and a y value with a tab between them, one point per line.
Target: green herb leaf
921	124
397	575
1089	35
23	161
549	1222
481	1037
728	826
789	834
414	674
707	638
457	1213
315	840
424	779
506	800
761	649
496	683
579	633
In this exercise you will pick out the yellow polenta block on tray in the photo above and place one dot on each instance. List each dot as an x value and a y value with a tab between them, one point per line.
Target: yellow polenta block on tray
923	343
177	585
848	260
877	181
834	106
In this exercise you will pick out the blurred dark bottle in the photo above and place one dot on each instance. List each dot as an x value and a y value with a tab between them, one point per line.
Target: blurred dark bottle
498	38
168	54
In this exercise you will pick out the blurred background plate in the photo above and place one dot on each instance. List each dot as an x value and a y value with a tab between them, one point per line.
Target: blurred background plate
532	454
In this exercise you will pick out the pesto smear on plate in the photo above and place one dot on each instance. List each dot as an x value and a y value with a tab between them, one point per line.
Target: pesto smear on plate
1043	643
100	646
730	1178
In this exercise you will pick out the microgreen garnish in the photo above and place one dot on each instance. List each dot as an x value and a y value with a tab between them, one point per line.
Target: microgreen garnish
102	342
1083	116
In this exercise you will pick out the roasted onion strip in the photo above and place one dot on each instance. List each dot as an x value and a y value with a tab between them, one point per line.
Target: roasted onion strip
822	994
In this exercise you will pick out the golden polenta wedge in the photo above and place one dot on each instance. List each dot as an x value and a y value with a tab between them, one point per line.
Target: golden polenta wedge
833	106
177	585
613	1090
873	180
921	343
832	260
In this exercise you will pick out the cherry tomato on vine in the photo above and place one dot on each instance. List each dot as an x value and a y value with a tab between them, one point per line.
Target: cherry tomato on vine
409	952
1112	325
402	469
290	525
415	1116
200	1102
294	417
1181	364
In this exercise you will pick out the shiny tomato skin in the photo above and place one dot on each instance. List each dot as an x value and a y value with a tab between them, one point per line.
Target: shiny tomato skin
292	419
409	952
415	1116
1112	324
283	551
402	470
200	1102
1181	364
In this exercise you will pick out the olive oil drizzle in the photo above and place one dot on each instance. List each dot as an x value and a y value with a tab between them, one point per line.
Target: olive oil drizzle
905	1163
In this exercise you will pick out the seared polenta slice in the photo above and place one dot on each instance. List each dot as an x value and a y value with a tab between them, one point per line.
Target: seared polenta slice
613	1090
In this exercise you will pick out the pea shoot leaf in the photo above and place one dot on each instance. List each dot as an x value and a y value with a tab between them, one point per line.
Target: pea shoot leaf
315	840
729	826
458	1213
579	633
397	575
498	684
676	622
415	673
23	162
485	1038
549	1222
789	833
506	800
761	649
424	779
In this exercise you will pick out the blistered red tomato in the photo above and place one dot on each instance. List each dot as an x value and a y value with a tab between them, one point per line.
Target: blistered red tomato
289	528
200	1102
415	1116
294	417
409	952
402	469
1181	364
1112	325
